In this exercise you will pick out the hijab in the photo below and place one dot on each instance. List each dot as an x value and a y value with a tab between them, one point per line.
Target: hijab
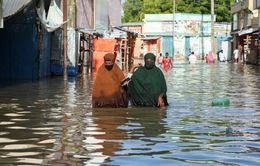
107	91
146	84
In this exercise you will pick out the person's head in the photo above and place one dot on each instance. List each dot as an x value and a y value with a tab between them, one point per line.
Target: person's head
160	54
192	52
149	60
109	60
167	54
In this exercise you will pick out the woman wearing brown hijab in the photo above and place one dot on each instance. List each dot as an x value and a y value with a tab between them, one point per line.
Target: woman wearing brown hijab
107	91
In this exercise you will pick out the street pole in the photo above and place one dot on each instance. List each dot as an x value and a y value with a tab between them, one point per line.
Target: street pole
65	11
173	32
212	30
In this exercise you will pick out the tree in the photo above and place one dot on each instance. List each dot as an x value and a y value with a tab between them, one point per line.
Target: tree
134	10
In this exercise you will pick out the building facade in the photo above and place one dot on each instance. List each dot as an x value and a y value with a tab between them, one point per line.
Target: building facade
188	32
245	30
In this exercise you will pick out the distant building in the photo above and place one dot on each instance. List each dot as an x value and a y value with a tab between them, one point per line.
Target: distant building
190	32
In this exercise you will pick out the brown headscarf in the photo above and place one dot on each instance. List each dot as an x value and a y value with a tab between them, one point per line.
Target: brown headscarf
107	91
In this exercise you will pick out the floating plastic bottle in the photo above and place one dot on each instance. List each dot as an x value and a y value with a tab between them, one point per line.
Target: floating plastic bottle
220	102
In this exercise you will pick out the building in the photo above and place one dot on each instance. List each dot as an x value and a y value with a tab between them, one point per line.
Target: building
245	30
31	35
188	32
191	32
25	46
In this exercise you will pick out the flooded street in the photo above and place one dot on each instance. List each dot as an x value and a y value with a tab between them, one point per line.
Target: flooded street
51	122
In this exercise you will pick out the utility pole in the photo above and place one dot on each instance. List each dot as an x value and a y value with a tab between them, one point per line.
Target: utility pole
173	29
212	30
65	42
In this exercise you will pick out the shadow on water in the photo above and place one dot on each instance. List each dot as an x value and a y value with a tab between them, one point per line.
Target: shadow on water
51	122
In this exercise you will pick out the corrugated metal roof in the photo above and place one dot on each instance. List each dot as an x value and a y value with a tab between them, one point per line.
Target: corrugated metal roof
10	7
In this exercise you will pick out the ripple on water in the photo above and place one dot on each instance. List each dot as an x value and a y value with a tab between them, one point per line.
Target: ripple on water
13	115
61	125
19	146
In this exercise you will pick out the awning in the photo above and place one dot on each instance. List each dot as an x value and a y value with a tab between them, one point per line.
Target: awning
10	7
247	31
127	31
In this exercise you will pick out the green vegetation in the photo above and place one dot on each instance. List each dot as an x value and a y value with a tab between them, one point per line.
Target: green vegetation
134	10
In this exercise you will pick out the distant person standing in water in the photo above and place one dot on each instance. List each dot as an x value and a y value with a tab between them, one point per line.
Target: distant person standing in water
167	62
192	58
159	59
221	56
236	55
210	58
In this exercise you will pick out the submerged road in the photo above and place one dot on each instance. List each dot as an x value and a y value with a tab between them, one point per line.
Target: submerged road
51	122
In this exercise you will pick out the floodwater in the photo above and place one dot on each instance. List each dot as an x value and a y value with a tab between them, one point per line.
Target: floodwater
51	122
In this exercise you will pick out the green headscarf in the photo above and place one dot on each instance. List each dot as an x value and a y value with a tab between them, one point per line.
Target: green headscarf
146	85
149	64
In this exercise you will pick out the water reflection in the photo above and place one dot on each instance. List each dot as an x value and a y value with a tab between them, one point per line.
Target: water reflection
112	131
51	122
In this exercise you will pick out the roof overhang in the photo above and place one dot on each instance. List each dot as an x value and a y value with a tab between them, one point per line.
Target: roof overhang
127	31
247	31
151	38
10	7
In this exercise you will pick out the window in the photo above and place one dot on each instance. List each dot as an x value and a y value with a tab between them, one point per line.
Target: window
256	4
235	21
249	19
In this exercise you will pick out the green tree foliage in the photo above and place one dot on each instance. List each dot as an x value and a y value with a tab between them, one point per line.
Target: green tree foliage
134	10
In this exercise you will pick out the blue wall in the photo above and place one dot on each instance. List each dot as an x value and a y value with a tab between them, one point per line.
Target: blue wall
167	45
20	58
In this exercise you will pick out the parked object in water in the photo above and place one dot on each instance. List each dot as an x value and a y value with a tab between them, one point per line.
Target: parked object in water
220	102
229	131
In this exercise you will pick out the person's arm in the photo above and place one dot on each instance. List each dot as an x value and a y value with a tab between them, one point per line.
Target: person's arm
129	75
171	64
134	67
160	103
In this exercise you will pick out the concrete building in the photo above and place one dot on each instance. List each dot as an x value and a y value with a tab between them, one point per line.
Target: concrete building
245	30
188	32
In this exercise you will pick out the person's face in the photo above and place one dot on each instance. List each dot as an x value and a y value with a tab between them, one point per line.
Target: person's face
149	63
109	64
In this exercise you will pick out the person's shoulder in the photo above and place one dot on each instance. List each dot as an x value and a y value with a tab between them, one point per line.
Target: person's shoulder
139	69
157	69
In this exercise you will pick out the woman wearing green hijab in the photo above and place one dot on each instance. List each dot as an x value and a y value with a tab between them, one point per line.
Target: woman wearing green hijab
147	87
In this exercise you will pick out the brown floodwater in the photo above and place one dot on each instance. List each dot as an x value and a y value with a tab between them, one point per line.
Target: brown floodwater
51	122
